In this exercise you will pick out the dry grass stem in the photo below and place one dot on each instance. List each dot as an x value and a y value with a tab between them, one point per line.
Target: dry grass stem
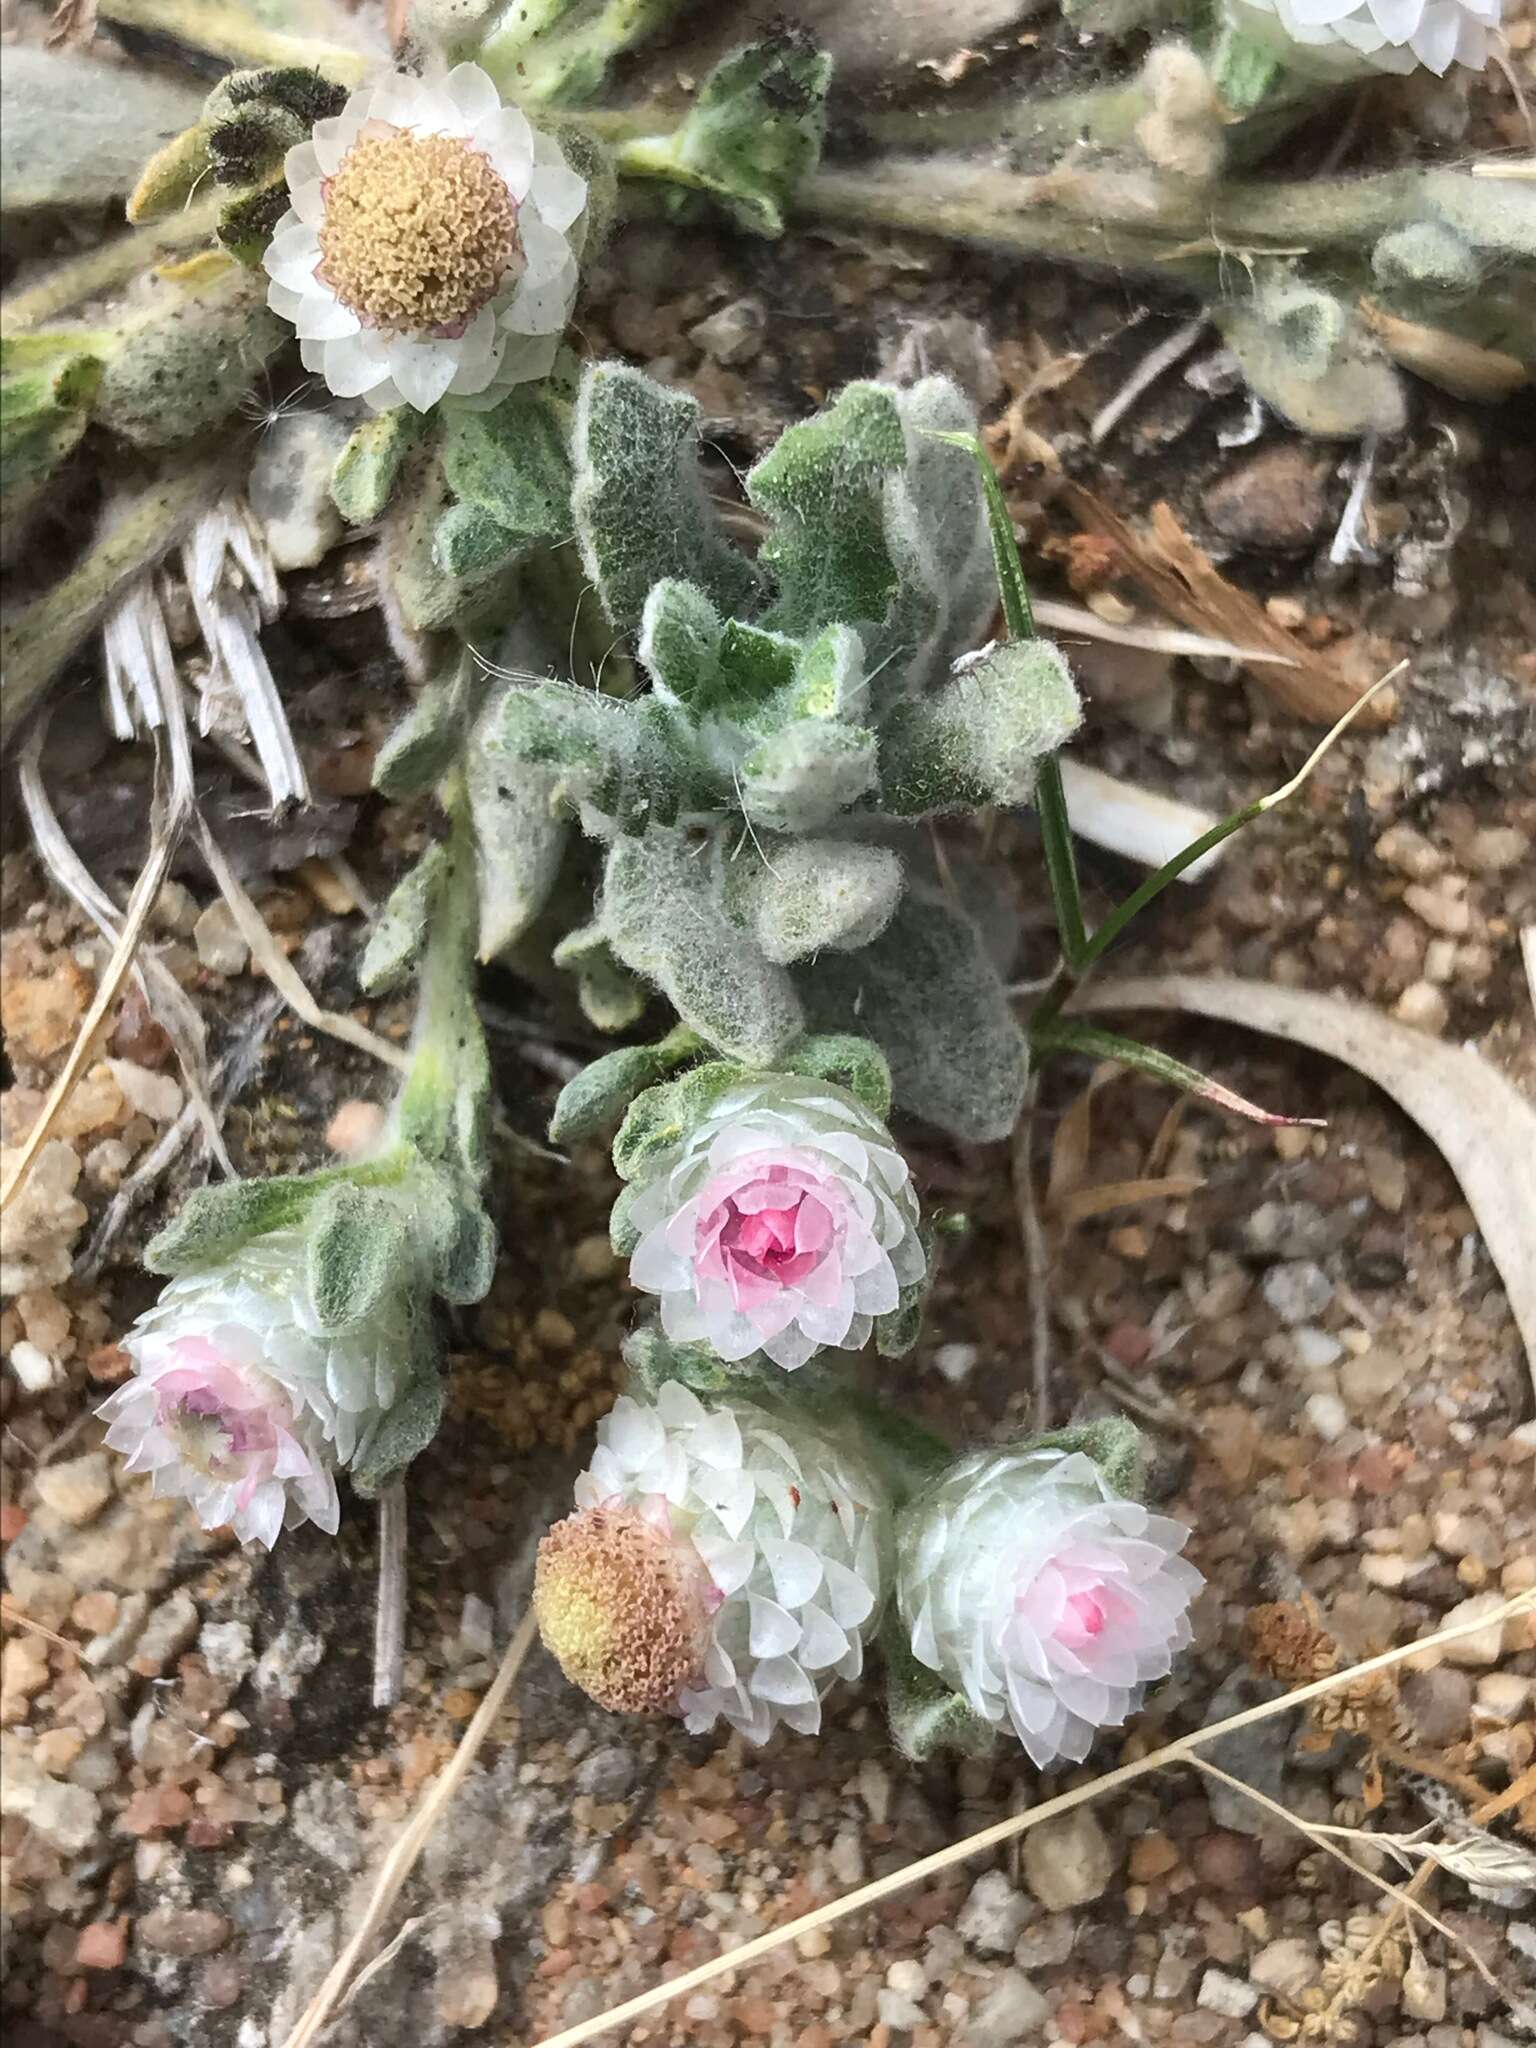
135	920
1401	1898
279	969
1172	349
401	1860
1180	1751
1076	618
389	1609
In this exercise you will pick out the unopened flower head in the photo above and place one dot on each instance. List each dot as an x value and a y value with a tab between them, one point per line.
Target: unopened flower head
242	1404
1352	38
427	253
725	1562
784	1221
1041	1595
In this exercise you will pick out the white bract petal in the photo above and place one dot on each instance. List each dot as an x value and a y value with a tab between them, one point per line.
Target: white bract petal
793	1543
783	1223
1352	38
1042	1596
429	243
238	1406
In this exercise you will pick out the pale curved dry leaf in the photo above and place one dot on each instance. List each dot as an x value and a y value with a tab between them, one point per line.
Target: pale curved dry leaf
1480	1121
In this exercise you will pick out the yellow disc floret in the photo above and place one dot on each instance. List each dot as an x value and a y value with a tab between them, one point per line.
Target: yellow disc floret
419	230
622	1608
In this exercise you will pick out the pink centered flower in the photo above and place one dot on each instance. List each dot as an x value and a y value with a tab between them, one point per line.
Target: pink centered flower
222	1434
784	1222
1042	1595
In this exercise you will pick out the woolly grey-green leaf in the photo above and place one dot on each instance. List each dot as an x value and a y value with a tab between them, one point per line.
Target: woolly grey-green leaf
419	750
611	997
511	463
936	533
396	942
797	896
44	407
405	1431
802	776
468	542
652	1359
459	1233
662	914
979	738
1304	353
680	642
622	764
927	1719
638	500
521	833
830	680
367	467
929	995
357	1248
821	488
597	1097
756	128
215	1221
854	1063
662	1116
1426	256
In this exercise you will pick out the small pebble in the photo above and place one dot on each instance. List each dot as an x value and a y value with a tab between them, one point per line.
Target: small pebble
184	1931
76	1489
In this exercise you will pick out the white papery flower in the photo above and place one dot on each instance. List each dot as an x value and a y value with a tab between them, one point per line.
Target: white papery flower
1041	1595
427	251
725	1562
783	1222
1351	38
242	1403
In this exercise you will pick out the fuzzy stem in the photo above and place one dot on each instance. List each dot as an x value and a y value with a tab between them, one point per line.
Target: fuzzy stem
1135	220
102	270
35	645
450	1044
234	33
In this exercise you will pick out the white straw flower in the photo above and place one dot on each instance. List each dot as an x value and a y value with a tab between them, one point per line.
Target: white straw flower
1351	38
725	1562
1038	1593
242	1403
427	250
784	1221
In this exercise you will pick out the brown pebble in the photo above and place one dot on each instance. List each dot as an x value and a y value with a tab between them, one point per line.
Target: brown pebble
102	1946
355	1129
1276	499
184	1931
1152	1856
220	1982
1227	1861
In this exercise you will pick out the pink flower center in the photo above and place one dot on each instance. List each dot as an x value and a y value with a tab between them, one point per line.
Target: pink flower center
768	1233
1082	1621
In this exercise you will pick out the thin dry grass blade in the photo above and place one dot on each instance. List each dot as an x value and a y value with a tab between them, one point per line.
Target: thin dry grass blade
401	1860
277	967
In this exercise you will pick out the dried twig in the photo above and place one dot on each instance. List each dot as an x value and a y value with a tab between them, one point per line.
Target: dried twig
1180	1751
1401	1897
279	969
401	1860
